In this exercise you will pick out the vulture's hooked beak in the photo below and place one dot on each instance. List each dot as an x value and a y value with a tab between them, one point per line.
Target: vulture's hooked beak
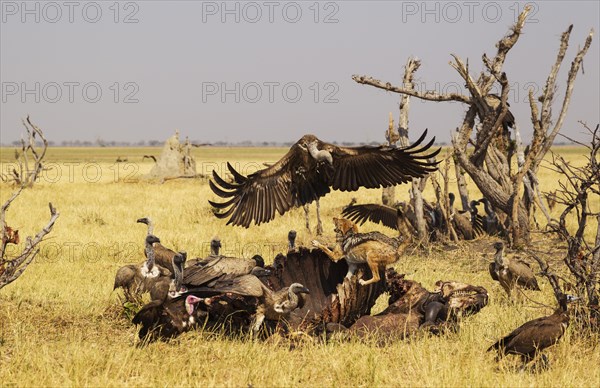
303	290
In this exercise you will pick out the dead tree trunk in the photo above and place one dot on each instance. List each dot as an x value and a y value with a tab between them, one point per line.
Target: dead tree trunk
12	268
388	194
488	164
463	191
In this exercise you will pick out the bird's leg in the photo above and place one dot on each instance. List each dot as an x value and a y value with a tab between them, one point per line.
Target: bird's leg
305	207
319	223
526	359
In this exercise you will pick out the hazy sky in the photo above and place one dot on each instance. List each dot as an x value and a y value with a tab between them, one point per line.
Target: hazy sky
269	70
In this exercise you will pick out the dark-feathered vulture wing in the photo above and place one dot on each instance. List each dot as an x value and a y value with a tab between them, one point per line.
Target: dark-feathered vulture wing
298	178
382	214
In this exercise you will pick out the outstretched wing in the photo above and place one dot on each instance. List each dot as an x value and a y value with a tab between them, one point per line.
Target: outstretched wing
291	182
381	166
297	179
372	212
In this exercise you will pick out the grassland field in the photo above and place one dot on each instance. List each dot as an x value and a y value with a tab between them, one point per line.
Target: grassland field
61	324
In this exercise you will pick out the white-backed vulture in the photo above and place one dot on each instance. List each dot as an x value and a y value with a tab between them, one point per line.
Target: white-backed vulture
139	278
511	272
309	170
277	305
164	256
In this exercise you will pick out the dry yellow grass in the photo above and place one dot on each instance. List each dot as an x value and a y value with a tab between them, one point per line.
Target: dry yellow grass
61	324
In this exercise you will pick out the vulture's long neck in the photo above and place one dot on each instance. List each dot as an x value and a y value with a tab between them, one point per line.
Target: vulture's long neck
473	207
499	257
150	256
488	208
292	297
319	155
178	269
150	226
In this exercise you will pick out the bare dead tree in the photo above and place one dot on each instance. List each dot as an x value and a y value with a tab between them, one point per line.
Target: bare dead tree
388	194
29	158
393	136
12	268
401	135
484	151
581	188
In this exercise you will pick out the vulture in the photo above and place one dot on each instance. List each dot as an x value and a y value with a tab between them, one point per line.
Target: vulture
277	305
491	223
476	220
511	273
463	223
168	319
381	214
215	246
534	336
222	268
291	240
164	256
309	170
136	278
176	286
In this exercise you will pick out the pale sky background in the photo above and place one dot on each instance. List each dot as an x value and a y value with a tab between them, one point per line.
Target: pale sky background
179	51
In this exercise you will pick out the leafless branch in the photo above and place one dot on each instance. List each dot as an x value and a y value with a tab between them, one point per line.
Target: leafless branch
12	268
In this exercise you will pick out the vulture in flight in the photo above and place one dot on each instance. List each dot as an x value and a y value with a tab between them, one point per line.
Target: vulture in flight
309	170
